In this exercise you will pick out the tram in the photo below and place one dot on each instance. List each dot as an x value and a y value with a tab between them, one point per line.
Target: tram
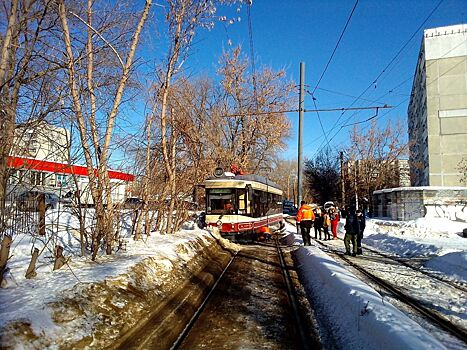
241	205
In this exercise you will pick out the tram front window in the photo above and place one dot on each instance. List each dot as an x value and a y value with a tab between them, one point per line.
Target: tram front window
221	201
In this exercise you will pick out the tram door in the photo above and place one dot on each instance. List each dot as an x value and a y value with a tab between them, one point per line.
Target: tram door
242	202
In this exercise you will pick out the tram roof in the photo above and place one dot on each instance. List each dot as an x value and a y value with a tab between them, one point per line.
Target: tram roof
247	177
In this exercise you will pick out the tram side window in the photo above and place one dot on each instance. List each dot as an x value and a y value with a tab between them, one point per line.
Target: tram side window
276	204
221	201
256	204
242	208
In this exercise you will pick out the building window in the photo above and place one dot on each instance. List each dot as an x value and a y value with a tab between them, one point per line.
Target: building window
37	178
62	180
13	177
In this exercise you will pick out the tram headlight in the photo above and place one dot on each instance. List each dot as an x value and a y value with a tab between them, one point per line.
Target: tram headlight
219	223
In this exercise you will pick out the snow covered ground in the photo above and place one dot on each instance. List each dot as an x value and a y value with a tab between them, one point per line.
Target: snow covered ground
436	243
439	241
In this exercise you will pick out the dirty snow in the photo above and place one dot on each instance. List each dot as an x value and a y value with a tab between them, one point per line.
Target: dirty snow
438	240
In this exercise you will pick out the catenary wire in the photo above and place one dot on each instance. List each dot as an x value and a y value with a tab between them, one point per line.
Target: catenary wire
335	48
252	53
384	114
386	67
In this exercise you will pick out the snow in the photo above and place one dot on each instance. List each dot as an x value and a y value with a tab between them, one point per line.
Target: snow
348	303
361	319
438	239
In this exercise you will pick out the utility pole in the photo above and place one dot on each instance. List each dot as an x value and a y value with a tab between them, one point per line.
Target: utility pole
301	108
342	179
355	181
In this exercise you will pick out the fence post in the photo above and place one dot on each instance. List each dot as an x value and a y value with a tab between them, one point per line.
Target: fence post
41	206
4	253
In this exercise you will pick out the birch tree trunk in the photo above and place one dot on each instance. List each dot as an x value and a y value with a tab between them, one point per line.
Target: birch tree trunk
4	254
7	110
99	183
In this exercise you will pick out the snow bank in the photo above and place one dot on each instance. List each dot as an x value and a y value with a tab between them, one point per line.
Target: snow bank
91	304
438	240
356	314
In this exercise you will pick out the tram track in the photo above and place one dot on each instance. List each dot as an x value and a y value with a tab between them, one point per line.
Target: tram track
195	316
401	262
428	313
304	340
418	269
299	323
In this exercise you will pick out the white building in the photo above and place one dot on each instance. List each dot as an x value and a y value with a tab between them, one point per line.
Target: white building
42	141
437	113
40	160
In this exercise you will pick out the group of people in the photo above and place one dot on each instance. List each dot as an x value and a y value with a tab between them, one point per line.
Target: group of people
323	220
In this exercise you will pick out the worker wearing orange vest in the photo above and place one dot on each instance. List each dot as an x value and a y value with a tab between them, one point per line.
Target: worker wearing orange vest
305	217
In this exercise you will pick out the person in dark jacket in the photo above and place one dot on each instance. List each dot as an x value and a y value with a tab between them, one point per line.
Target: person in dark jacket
351	231
318	223
361	228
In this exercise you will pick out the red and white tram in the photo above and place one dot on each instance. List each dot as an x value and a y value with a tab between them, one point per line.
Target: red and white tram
240	205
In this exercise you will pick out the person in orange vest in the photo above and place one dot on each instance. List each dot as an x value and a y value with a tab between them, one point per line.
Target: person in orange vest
264	233
305	217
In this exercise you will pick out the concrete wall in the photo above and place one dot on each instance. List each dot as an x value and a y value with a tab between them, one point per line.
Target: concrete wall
447	119
409	203
43	141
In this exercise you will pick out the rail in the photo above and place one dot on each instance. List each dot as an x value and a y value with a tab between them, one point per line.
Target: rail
431	315
198	312
402	262
299	323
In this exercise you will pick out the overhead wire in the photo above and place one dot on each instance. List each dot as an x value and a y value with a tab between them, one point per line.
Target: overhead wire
412	77
396	106
338	109
374	82
317	113
431	82
337	45
252	53
327	66
345	95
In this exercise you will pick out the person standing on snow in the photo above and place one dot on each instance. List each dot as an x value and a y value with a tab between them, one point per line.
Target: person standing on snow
334	216
326	225
361	228
352	229
305	219
318	222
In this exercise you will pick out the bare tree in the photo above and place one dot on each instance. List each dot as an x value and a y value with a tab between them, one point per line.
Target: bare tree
323	176
184	17
28	93
285	175
96	148
178	132
373	159
252	140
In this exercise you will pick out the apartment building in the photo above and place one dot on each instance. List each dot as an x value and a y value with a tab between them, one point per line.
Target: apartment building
387	173
437	112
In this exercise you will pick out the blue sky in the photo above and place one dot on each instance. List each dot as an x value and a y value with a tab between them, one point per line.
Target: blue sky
286	33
